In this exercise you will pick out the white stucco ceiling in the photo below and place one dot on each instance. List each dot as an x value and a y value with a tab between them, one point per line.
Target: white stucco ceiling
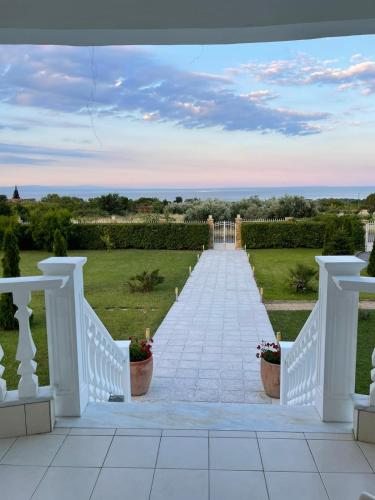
103	22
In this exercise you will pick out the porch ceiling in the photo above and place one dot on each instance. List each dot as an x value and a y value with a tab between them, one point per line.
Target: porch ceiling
105	22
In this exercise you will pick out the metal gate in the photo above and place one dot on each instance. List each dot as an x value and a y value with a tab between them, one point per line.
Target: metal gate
224	233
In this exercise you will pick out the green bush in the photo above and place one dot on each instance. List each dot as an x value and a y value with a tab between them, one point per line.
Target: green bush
44	225
59	244
343	235
11	269
371	263
145	282
142	236
301	277
288	234
339	243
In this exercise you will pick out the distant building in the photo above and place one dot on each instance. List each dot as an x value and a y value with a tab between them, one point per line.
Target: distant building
16	198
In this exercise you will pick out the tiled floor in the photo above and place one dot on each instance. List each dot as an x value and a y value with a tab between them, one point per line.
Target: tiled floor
151	464
205	349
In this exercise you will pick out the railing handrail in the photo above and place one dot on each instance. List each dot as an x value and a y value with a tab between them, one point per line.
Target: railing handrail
306	326
32	283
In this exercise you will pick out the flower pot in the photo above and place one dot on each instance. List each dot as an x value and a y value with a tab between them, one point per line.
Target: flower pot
141	375
270	375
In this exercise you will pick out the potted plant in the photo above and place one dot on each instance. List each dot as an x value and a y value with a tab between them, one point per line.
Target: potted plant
269	354
141	365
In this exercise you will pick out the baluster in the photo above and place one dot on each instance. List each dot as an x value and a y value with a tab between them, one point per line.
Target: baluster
28	384
3	384
91	358
372	386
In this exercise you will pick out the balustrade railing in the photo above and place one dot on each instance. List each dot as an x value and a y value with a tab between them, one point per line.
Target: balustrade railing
108	363
369	236
319	368
300	369
85	363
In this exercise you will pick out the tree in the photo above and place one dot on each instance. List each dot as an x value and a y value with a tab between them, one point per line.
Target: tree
178	199
371	263
340	243
370	202
5	208
45	223
59	244
16	195
295	206
11	269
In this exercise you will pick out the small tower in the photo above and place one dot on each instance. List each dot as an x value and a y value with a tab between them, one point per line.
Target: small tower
16	195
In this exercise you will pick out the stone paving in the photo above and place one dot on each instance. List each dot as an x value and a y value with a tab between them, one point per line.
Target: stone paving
156	464
205	349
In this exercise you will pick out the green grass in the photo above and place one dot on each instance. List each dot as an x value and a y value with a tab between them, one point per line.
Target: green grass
125	314
289	323
272	272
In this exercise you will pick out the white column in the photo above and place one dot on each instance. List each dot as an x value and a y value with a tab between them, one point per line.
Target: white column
3	384
67	349
338	321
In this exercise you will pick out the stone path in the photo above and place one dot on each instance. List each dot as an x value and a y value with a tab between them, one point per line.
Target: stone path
300	305
205	348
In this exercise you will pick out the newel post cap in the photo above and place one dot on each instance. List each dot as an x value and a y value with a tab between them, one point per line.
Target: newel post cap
60	265
341	264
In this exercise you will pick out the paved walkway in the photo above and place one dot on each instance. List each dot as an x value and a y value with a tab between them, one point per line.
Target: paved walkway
155	464
301	305
205	349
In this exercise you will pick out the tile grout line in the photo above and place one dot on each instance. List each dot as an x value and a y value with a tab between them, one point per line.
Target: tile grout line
156	462
101	468
263	471
317	468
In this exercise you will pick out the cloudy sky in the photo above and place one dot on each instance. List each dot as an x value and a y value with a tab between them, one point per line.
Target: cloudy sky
277	114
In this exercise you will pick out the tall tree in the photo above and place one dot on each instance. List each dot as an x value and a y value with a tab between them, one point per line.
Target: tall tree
16	195
11	269
371	263
59	244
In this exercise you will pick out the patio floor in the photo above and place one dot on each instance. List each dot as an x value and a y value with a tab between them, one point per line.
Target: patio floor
154	464
205	348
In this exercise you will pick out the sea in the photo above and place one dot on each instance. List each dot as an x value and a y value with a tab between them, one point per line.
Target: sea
227	194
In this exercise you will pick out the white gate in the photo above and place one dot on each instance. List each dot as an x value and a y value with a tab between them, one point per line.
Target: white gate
224	233
370	236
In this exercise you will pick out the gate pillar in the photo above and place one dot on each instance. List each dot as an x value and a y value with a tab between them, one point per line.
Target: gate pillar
238	241
210	222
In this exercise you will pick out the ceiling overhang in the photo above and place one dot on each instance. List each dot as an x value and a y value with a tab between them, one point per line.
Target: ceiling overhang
146	22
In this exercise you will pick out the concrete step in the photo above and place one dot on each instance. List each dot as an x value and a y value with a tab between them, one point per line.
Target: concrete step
211	416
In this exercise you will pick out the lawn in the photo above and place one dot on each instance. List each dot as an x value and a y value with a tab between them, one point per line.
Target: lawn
289	323
272	268
125	314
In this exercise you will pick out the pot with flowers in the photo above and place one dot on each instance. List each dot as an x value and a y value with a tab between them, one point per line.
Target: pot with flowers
269	354
141	365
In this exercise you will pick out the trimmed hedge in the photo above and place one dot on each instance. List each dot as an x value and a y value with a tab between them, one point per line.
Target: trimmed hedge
288	234
143	236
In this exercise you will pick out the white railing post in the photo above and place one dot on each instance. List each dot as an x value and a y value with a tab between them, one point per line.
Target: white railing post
285	348
338	321
3	384
65	330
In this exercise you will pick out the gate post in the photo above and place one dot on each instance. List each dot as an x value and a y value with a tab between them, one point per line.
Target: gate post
210	222
238	242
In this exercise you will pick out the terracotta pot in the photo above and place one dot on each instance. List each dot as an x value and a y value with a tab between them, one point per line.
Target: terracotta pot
270	375
140	376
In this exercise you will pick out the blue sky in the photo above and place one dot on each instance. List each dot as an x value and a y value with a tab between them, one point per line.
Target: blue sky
276	114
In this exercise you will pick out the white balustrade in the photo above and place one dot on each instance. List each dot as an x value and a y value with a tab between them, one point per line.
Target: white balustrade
319	367
85	363
108	363
21	289
369	236
299	366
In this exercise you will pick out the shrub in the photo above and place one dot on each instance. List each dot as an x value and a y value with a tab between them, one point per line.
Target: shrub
371	263
143	236
105	237
11	269
140	350
59	244
145	282
339	243
44	225
301	277
363	315
288	234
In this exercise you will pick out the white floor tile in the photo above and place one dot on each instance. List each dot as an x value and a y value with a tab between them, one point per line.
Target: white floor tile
183	453
338	456
295	486
83	451
62	483
286	455
123	484
5	444
33	450
79	431
179	484
238	485
234	454
348	486
19	482
133	451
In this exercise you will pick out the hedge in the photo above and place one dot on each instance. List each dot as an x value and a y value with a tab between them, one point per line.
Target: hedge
288	234
145	236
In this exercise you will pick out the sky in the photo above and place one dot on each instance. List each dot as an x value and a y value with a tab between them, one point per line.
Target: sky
270	114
